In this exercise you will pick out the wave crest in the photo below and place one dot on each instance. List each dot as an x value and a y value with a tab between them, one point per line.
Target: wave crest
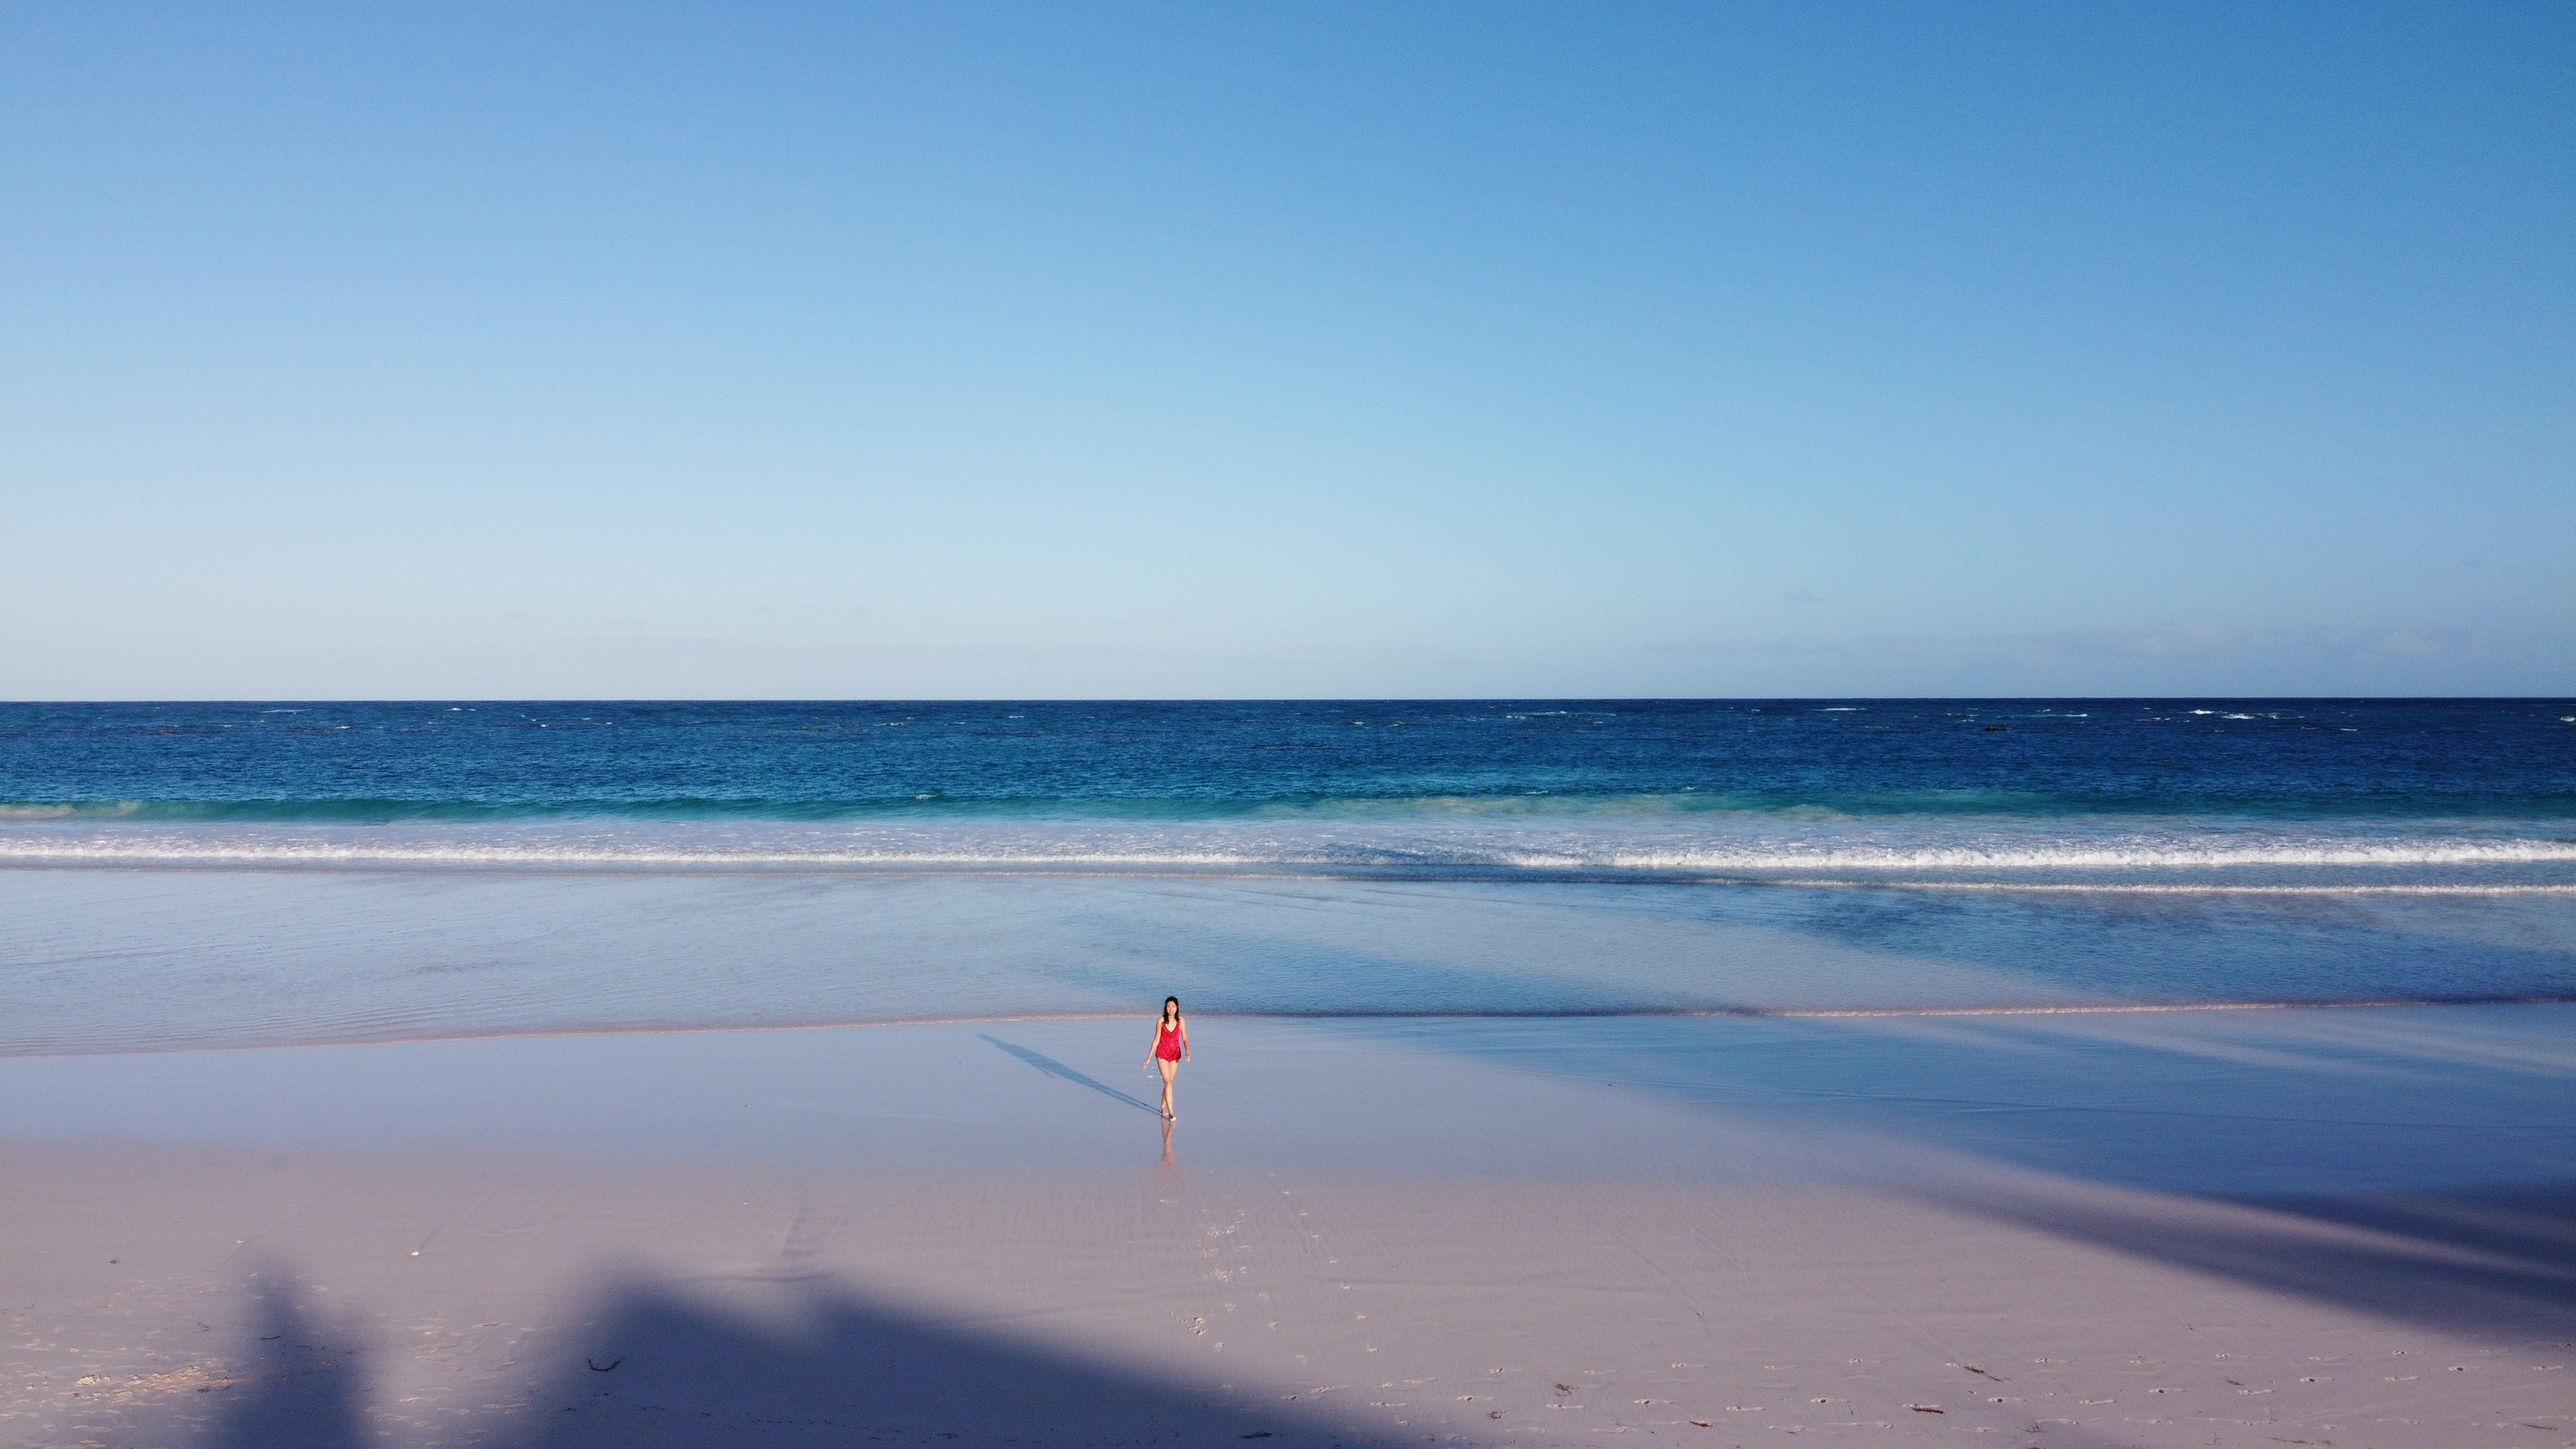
1826	853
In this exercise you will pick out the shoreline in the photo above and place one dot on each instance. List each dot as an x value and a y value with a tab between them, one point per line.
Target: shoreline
120	960
1642	1013
1274	872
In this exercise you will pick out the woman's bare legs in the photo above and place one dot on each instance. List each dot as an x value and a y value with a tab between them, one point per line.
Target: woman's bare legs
1168	1069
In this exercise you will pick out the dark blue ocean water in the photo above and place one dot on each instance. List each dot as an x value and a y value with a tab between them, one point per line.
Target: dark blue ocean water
374	762
196	874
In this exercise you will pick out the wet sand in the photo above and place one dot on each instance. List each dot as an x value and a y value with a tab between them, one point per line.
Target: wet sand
2322	1226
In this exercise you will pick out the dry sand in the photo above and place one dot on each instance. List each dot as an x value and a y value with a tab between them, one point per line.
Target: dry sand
2317	1227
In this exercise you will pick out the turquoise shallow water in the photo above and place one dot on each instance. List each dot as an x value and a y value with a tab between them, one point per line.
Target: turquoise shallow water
233	874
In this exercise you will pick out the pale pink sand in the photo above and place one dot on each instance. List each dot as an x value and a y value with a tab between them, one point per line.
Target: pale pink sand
418	1293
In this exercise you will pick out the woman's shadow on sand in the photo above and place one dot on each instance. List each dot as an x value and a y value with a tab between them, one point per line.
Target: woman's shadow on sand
1054	1068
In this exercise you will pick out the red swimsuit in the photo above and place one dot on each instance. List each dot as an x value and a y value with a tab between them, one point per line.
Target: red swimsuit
1168	1044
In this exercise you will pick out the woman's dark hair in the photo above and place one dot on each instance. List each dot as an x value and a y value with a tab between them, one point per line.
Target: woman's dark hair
1171	1006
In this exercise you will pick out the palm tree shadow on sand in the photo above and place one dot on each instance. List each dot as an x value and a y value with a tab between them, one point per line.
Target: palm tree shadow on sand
297	1388
654	1367
2481	1260
658	1367
858	1371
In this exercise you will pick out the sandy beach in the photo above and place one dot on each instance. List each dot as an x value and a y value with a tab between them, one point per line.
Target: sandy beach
2347	1227
1842	725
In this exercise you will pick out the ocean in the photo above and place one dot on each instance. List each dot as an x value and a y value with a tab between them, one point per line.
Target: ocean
237	874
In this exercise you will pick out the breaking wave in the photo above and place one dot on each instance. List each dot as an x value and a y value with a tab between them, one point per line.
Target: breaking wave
1822	853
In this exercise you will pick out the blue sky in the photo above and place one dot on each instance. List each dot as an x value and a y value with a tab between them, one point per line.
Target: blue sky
1230	350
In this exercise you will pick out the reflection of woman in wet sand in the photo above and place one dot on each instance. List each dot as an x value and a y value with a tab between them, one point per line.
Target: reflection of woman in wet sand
1171	1048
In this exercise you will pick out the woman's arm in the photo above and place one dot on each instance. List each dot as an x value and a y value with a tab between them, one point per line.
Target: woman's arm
1184	1025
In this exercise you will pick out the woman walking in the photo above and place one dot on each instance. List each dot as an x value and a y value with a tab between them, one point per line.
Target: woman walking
1171	1048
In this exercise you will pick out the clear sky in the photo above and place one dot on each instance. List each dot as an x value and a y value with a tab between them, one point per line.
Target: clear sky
934	350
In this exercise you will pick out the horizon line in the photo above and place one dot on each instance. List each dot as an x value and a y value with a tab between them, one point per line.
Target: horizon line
464	699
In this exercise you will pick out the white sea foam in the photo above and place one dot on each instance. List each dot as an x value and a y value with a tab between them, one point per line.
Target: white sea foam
2197	888
2159	857
1830	850
121	809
